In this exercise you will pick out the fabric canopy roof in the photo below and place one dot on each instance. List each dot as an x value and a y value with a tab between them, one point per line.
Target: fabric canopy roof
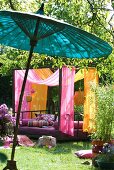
52	80
38	76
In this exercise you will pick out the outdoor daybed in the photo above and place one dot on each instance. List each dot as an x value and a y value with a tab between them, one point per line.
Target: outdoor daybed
41	99
47	125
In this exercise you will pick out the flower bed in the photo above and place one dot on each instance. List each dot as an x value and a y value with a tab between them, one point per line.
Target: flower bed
7	122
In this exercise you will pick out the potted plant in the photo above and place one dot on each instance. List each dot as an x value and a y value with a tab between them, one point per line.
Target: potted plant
105	160
104	116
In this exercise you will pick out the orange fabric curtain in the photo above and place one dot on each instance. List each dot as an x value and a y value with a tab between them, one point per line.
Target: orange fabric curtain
39	97
43	73
79	97
90	75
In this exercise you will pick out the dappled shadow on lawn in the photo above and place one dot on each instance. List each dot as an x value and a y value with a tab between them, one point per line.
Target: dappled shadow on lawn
3	158
66	147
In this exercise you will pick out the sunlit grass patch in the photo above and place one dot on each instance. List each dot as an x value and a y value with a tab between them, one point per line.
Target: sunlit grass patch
61	157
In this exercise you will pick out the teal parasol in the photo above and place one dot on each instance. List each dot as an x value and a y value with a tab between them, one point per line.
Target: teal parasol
49	36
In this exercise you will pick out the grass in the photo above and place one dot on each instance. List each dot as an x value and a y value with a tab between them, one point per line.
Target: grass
61	157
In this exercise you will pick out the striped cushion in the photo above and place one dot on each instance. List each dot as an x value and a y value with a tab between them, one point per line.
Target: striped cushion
37	123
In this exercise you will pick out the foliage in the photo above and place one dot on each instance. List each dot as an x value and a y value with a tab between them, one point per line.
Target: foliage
104	116
6	90
78	110
6	121
20	5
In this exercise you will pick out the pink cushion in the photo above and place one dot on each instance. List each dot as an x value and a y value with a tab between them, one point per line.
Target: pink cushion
23	140
25	122
78	125
84	153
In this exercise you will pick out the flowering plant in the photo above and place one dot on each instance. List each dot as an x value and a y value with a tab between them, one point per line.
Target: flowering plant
6	121
107	154
105	158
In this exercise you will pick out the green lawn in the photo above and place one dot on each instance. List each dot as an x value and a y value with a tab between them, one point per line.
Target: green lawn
61	157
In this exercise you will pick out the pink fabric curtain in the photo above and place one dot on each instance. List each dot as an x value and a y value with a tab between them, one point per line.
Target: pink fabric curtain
32	77
18	85
67	101
52	80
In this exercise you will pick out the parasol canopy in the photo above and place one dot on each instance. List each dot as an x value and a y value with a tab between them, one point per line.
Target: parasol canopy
54	37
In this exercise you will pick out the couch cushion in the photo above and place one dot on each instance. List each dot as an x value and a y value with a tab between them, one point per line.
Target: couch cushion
78	124
84	154
38	123
50	117
25	122
47	117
